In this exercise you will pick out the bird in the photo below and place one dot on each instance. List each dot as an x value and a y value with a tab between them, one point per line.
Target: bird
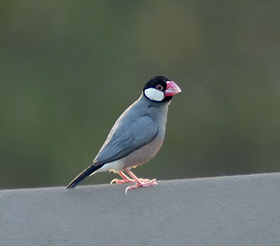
136	136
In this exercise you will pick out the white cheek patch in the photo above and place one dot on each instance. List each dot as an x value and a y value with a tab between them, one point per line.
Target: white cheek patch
154	94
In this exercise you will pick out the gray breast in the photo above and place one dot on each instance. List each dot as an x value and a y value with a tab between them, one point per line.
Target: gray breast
143	154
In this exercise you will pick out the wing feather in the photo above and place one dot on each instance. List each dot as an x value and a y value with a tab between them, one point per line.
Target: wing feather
126	136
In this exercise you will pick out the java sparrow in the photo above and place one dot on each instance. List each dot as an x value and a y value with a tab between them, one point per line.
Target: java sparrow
136	136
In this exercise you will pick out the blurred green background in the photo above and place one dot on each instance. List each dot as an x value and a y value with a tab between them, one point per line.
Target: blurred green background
68	69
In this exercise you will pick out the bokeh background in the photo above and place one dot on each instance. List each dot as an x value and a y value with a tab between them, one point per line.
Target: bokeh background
68	69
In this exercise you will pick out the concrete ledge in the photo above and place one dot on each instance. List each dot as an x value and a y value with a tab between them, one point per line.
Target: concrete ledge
237	210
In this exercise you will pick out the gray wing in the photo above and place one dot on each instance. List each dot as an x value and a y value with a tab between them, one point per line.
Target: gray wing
127	135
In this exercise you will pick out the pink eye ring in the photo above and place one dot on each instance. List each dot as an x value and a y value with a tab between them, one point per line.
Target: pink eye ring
159	87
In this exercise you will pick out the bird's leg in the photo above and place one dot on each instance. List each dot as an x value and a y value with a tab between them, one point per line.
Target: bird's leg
139	182
125	179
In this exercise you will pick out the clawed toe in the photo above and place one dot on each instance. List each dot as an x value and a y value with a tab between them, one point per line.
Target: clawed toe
146	181
143	183
117	181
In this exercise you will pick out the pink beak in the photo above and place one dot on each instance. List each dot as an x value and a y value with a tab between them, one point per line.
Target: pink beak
171	89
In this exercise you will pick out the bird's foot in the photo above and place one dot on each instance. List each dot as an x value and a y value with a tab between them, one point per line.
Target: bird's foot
142	183
121	181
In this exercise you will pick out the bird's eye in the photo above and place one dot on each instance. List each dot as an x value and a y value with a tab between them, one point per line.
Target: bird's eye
159	87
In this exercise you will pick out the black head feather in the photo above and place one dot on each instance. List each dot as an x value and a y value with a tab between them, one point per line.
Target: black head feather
158	82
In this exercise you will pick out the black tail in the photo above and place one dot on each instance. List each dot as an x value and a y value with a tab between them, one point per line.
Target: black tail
83	175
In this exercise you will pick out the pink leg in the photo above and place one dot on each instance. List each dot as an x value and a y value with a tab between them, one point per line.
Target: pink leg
139	182
125	179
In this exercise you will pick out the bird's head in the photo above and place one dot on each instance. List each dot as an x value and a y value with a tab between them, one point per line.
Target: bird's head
160	89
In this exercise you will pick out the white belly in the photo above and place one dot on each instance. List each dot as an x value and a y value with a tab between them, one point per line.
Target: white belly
134	159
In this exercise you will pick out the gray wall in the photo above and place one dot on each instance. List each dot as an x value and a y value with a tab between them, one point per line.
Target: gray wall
237	210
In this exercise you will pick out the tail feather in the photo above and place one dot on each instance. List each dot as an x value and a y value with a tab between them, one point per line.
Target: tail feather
83	175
